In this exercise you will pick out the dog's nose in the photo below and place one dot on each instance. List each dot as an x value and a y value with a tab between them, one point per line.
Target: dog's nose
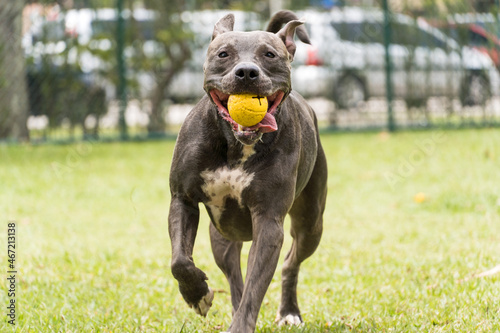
248	72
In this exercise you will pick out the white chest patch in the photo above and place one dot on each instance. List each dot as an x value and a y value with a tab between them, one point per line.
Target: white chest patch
224	183
247	151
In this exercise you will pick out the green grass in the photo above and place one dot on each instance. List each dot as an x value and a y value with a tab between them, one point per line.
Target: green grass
93	249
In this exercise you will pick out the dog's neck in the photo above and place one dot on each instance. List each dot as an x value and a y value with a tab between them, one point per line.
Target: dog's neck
237	153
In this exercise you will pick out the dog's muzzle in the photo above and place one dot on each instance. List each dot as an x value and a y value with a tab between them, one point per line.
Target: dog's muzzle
249	135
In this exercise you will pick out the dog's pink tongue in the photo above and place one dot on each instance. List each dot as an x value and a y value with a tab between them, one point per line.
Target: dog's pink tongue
268	124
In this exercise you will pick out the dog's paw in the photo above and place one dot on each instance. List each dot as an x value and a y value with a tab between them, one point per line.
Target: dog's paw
290	319
205	303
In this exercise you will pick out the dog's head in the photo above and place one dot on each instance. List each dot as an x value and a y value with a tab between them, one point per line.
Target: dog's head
256	62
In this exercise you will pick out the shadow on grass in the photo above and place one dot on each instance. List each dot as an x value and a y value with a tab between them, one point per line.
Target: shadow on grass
337	326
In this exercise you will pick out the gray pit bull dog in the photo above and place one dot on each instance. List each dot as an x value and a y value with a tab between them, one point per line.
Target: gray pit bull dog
248	178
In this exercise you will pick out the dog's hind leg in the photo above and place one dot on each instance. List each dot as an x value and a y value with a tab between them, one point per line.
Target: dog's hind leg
306	229
227	256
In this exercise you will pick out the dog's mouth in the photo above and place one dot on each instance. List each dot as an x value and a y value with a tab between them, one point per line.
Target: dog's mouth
266	125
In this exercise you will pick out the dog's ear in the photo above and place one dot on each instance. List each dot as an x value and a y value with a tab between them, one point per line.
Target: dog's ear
287	33
283	17
225	24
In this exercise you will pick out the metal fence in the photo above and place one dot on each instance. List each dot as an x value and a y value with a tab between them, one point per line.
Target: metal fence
135	69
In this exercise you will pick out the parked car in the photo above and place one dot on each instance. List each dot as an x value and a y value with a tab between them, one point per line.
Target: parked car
346	61
473	35
94	27
481	40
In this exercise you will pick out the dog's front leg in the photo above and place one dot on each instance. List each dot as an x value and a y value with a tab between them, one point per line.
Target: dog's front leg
183	222
262	262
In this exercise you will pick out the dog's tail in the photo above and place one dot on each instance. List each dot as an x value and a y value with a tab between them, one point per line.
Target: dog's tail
284	16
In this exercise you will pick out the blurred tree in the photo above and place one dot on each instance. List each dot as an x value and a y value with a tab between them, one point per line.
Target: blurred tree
58	88
78	4
174	40
247	5
160	45
483	6
454	6
13	89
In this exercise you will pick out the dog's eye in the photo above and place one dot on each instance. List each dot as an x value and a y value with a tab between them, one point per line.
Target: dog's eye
223	54
270	55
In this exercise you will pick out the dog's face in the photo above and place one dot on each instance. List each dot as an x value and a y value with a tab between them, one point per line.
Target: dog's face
256	62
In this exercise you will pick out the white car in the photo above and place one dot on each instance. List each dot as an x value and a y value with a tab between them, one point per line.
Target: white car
47	38
50	37
346	61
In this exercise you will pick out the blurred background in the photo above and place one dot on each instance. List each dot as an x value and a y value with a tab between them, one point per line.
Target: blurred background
124	69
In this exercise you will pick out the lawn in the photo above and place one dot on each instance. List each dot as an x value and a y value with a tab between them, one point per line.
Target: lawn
412	218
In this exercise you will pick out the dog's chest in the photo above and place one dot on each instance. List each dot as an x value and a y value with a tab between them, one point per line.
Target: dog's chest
226	182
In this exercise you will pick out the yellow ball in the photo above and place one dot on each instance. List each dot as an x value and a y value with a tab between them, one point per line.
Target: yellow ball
247	110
